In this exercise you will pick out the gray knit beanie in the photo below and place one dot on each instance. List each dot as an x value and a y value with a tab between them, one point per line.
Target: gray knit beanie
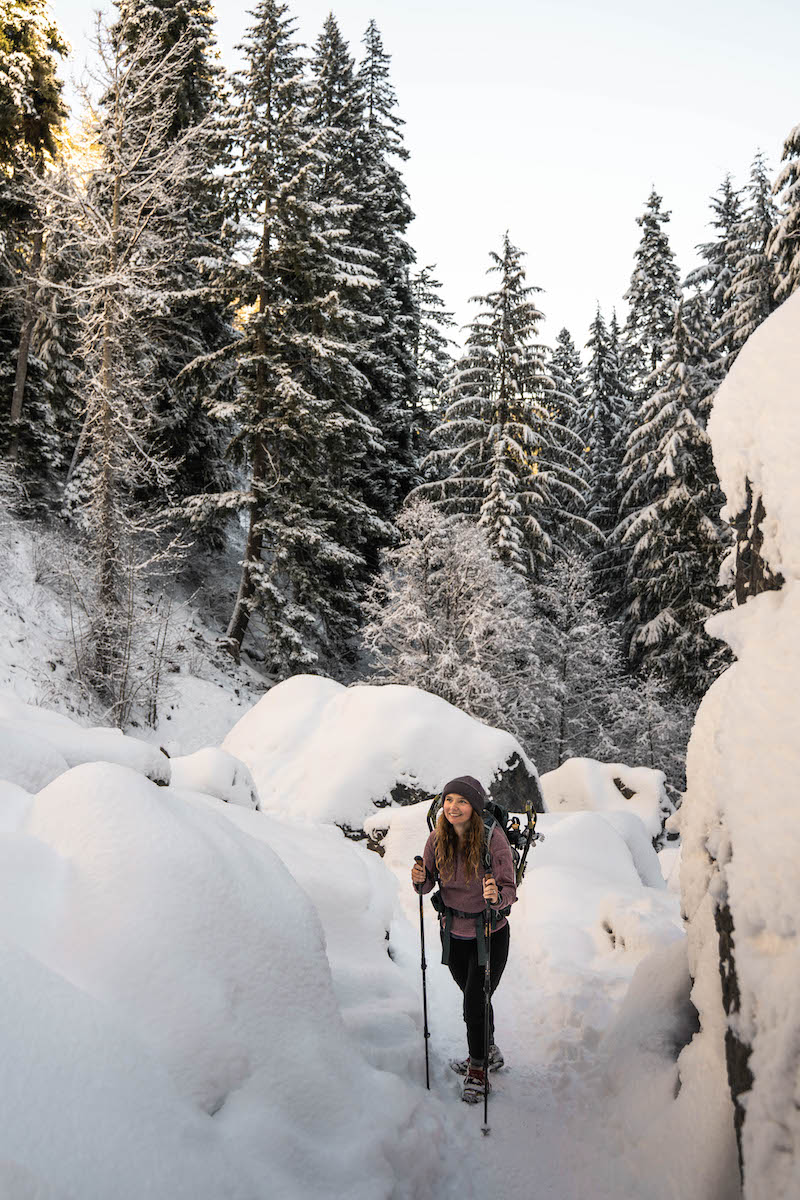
469	788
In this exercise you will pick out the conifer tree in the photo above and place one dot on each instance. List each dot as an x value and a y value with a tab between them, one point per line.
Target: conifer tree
388	316
784	242
720	262
304	438
433	358
502	451
190	328
753	285
604	424
32	113
570	380
669	526
652	295
610	406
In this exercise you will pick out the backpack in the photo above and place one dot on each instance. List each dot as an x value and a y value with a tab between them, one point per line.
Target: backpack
518	837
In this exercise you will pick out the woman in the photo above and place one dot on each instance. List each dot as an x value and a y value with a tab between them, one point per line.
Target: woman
454	857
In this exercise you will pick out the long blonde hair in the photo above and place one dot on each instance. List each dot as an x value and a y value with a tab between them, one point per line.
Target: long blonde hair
446	847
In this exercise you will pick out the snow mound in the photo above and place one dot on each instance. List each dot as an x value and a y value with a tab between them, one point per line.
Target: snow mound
62	741
331	753
15	803
755	433
27	760
215	773
170	1018
583	783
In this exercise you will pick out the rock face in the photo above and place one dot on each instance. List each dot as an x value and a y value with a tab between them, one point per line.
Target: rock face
511	785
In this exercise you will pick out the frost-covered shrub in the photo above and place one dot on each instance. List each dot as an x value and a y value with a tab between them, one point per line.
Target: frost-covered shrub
447	617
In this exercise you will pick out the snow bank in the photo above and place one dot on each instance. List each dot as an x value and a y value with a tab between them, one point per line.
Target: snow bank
755	433
583	783
171	1027
333	753
741	842
739	822
663	1090
47	743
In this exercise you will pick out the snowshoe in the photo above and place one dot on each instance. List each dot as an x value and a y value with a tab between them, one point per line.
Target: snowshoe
496	1061
474	1085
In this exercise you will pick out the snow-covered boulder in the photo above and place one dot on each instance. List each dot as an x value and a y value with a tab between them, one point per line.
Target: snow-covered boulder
216	773
60	740
583	783
332	754
740	820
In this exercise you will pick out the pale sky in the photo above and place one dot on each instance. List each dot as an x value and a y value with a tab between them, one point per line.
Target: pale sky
554	119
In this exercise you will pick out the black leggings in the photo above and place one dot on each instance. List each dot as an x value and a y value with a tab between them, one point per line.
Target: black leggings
468	975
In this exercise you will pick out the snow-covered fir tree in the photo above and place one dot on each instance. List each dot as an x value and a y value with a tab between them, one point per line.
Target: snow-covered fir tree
652	295
304	438
32	114
501	453
752	290
433	356
569	377
54	412
190	327
669	523
446	616
605	419
388	314
784	242
720	262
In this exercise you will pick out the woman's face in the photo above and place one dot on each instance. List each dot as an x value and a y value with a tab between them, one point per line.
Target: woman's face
457	811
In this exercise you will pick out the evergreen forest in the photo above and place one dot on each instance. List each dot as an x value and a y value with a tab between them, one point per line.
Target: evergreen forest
223	370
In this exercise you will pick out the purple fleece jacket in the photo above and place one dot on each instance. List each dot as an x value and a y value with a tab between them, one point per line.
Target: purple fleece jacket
467	894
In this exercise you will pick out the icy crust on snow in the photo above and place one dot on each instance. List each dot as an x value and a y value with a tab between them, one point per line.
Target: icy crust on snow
332	753
584	783
171	1025
755	433
741	809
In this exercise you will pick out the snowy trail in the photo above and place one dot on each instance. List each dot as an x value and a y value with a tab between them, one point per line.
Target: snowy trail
554	1135
548	1135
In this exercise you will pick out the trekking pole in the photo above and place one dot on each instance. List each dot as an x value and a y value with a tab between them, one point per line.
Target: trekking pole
487	1000
418	860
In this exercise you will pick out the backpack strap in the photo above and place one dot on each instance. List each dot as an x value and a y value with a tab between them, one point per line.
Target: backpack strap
446	921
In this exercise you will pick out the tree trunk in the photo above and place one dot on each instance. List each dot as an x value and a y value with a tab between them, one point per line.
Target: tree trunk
26	333
107	531
240	618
